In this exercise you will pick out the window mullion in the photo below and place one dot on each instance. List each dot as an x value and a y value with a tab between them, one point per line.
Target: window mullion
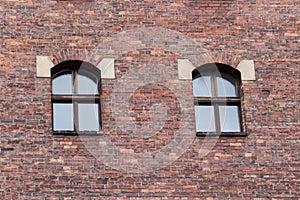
75	103
214	85
215	104
75	110
61	98
75	84
217	118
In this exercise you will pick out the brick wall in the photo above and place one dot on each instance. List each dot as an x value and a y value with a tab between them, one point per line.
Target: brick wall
34	164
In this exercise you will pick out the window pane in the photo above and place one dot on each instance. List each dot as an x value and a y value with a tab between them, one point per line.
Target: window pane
63	116
86	85
88	117
225	88
202	86
229	118
62	84
205	119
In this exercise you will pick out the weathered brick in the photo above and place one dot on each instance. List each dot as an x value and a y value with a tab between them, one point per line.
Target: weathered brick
35	164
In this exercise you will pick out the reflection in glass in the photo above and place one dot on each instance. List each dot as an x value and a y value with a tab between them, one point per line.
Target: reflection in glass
63	116
62	84
202	86
86	85
225	88
88	117
205	119
229	118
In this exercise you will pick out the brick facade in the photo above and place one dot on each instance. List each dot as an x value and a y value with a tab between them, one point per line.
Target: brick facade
146	38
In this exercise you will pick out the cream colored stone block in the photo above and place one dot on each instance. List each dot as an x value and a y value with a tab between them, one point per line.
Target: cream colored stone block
246	67
185	68
107	67
43	66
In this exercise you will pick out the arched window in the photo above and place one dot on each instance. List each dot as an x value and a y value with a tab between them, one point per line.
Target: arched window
217	99
75	98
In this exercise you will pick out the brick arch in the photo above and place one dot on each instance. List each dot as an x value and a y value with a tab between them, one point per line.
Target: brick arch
224	57
69	54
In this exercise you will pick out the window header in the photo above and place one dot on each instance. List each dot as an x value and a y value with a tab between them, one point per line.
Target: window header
216	68
76	65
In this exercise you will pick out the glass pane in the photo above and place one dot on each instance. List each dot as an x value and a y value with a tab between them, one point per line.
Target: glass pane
225	88
202	86
63	116
86	85
229	118
205	119
88	117
62	84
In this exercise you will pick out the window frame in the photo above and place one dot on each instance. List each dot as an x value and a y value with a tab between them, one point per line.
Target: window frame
72	67
214	70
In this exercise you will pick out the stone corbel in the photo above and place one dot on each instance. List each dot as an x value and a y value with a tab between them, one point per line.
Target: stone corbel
44	65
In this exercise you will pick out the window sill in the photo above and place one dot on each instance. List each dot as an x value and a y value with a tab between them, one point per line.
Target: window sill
222	134
78	133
